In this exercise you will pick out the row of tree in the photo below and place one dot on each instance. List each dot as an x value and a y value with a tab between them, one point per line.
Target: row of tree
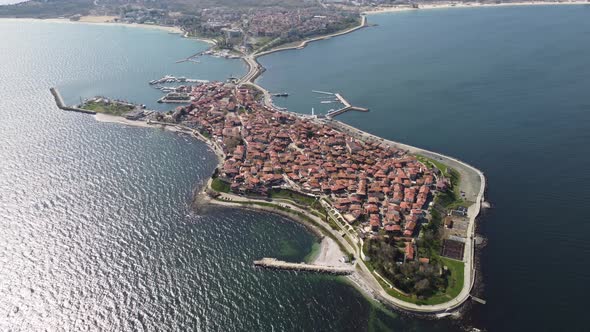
412	277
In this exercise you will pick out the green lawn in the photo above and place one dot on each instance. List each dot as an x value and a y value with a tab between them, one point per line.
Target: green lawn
112	108
457	277
220	186
293	196
441	167
448	200
300	199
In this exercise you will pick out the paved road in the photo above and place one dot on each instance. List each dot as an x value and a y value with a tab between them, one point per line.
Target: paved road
367	280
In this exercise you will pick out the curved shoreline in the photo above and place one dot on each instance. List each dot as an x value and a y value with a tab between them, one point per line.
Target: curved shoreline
330	251
473	212
169	29
304	42
255	68
364	278
405	8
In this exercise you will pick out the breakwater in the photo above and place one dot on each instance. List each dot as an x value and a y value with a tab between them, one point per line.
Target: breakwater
273	263
61	105
347	107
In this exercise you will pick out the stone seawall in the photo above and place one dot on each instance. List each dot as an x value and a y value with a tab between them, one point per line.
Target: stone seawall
273	263
60	103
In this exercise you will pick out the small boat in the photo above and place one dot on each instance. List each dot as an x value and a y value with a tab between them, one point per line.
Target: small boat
282	94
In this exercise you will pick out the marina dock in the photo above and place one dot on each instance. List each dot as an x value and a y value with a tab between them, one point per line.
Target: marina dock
347	106
273	263
322	92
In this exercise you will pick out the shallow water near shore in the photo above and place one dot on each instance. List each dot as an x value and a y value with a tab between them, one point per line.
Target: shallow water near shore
97	228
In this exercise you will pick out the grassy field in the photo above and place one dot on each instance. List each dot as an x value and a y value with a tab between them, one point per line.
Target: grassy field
220	186
111	108
448	200
456	280
299	199
434	163
293	196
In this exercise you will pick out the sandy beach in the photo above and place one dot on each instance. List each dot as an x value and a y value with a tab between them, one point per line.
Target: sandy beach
330	254
101	117
100	20
403	8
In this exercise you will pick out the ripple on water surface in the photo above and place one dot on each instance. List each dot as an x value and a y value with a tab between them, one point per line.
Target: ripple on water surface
96	228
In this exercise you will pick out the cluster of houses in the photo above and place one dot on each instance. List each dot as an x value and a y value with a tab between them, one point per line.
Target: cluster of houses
274	21
379	188
292	22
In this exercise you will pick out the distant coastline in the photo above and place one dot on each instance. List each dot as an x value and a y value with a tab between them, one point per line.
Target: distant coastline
460	4
104	21
170	29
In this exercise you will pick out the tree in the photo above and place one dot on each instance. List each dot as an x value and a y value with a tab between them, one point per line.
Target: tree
423	287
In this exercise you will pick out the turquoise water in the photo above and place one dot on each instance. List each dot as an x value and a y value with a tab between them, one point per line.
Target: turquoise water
97	229
505	89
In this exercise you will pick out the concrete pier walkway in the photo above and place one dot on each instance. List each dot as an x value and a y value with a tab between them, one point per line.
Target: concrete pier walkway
273	263
347	107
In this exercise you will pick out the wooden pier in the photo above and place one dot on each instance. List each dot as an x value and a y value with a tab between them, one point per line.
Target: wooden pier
273	263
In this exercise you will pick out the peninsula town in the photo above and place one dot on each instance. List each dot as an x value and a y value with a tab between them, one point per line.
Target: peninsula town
403	218
391	209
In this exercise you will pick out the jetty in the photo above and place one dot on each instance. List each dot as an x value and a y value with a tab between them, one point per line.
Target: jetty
61	105
273	263
477	299
322	92
347	106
